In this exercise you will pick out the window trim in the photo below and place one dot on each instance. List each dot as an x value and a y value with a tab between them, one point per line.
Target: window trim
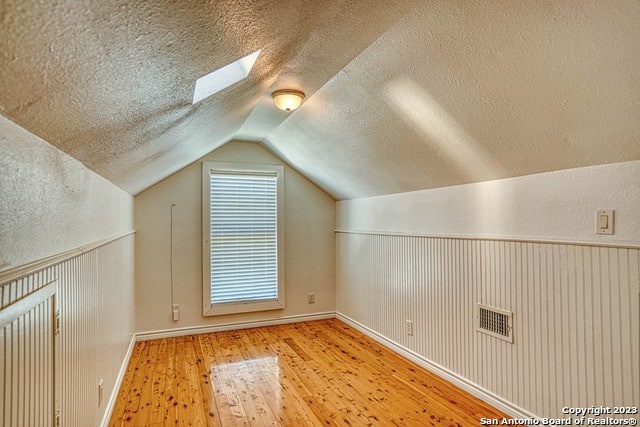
209	309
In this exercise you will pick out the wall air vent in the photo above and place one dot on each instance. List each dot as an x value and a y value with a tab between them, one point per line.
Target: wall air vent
495	322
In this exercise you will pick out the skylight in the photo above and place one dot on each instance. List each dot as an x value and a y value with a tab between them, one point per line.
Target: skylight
224	77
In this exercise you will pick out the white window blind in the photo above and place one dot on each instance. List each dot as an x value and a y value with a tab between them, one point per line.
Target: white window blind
244	236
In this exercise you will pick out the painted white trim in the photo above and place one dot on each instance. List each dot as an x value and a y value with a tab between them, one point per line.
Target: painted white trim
195	330
470	387
615	244
212	167
27	303
15	273
111	403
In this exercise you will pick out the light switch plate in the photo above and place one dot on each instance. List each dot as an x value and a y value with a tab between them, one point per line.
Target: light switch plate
605	221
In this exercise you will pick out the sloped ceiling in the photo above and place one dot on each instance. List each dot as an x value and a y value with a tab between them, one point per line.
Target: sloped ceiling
401	95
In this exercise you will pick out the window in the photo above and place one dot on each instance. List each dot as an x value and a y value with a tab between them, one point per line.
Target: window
242	242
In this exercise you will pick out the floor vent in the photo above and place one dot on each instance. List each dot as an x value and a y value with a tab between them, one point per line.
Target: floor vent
495	322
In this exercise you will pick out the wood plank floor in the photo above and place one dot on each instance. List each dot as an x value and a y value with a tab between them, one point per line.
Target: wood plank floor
302	374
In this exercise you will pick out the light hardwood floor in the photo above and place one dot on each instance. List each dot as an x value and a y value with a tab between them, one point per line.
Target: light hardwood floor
303	374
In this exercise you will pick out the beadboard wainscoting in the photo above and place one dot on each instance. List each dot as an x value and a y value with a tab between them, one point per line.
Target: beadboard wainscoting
94	293
576	315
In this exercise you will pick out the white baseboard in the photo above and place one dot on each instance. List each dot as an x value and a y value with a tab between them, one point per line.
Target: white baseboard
194	330
472	388
111	403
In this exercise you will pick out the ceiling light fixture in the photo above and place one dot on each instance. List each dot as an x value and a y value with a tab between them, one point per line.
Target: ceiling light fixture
287	99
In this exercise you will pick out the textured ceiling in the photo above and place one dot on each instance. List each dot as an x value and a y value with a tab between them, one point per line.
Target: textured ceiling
401	95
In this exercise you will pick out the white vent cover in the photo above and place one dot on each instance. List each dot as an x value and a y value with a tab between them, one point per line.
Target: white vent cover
495	322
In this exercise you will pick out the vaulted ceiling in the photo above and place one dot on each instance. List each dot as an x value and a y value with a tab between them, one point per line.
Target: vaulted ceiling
400	95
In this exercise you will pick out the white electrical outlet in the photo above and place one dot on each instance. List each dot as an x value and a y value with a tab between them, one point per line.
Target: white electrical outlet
311	298
175	309
408	327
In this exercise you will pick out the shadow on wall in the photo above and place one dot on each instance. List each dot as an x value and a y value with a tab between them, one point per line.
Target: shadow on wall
440	128
467	155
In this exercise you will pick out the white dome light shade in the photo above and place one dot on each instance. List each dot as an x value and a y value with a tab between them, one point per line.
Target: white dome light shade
288	99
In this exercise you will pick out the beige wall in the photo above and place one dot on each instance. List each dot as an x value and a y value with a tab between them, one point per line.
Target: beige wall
421	256
50	202
309	246
557	205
